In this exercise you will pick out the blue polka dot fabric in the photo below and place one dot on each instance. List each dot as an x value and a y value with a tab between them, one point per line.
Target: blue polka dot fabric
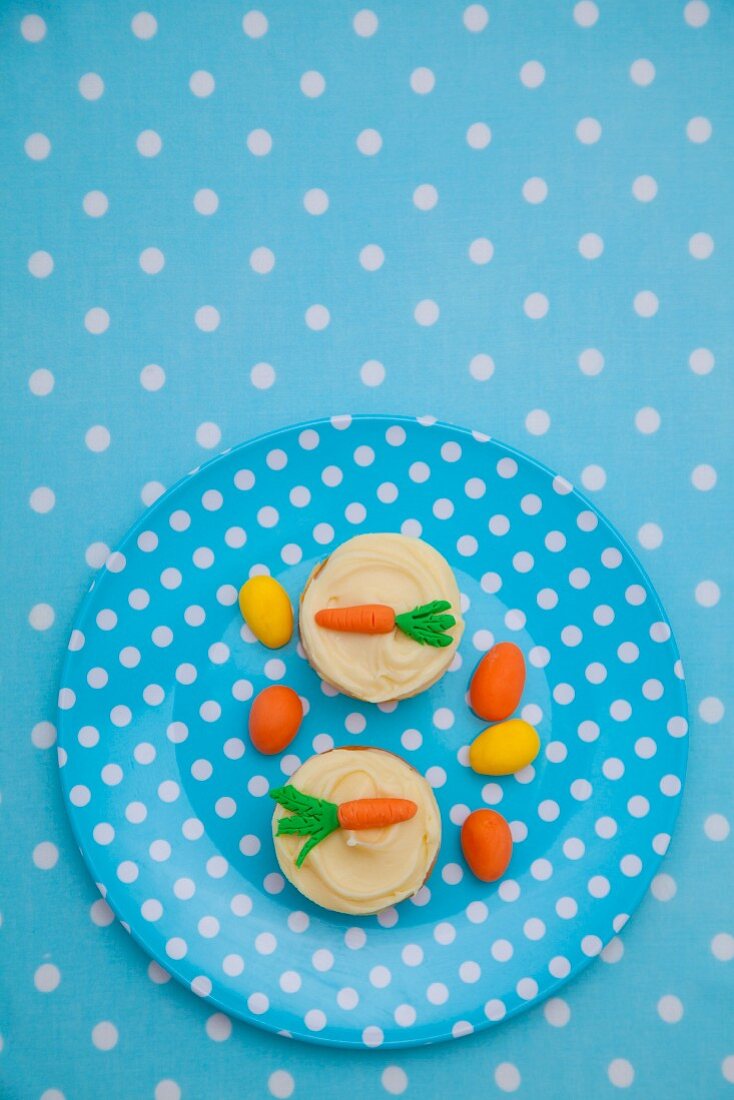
221	221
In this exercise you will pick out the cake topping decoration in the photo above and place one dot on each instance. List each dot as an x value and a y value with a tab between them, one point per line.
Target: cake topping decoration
317	818
426	624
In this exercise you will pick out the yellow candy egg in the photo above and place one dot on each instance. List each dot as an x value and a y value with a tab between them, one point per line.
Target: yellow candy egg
505	748
267	611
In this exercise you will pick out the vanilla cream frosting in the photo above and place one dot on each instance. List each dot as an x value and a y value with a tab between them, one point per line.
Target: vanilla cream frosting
364	871
391	569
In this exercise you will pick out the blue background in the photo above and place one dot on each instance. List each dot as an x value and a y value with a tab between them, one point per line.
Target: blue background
677	947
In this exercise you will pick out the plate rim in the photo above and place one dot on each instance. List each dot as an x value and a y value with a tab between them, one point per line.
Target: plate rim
242	1013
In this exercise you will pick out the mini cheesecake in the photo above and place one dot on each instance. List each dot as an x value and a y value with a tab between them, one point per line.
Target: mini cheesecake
401	572
361	871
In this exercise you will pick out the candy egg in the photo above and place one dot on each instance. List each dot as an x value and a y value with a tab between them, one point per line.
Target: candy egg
505	748
486	842
267	611
497	683
275	717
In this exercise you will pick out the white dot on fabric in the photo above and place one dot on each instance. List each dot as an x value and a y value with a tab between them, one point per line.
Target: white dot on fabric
259	142
206	201
201	83
152	377
104	1035
317	317
670	1008
535	190
481	251
262	376
37	146
620	1073
372	373
41	382
478	135
588	131
711	710
152	261
481	367
650	536
42	617
218	1027
699	130
96	320
536	305
369	142
642	72
716	827
281	1084
365	23
262	260
426	312
167	1090
208	435
42	499
425	196
91	86
557	1012
591	361
40	264
149	143
394	1080
646	303
475	18
507	1077
586	13
532	74
422	81
316	201
372	257
647	420
144	25
644	188
312	84
707	593
701	246
207	318
537	422
593	478
696	13
255	24
45	855
722	946
33	28
591	246
704	478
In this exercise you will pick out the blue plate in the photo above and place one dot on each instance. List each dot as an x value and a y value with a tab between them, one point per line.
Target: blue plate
168	799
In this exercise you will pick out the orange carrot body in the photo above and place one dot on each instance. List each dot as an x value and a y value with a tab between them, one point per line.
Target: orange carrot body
375	813
366	618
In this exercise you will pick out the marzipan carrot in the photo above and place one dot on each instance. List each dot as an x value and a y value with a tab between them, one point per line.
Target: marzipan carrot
317	818
428	624
375	813
366	618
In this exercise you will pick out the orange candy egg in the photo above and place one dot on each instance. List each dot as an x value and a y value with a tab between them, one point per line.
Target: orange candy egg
498	682
486	842
275	717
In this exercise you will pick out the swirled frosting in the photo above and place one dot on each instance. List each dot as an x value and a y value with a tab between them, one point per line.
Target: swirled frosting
366	871
391	569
